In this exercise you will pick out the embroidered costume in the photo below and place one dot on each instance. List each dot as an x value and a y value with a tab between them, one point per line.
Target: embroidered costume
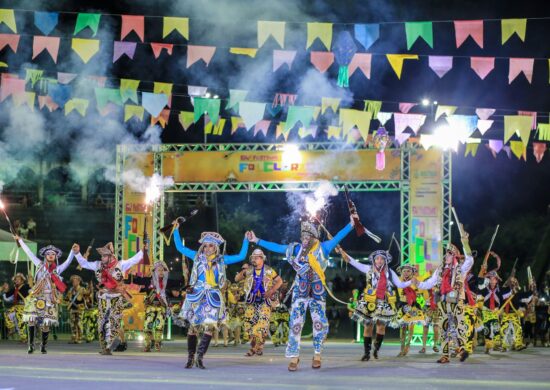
75	300
410	313
13	316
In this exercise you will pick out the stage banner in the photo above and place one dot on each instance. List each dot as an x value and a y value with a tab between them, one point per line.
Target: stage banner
279	166
426	214
134	317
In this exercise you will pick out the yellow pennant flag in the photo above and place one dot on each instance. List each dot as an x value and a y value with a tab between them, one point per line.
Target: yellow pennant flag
350	118
165	88
27	98
519	149
334	132
333	103
235	122
511	26
520	124
131	110
7	17
396	61
472	144
80	105
170	24
447	110
274	29
186	118
85	48
316	111
280	130
243	51
323	31
216	129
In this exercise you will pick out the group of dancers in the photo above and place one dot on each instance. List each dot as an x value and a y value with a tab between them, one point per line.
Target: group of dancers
457	304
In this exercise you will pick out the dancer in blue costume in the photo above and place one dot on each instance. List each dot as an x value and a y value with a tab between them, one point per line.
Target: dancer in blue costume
309	259
204	306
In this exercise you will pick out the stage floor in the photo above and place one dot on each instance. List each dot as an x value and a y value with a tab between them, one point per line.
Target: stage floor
81	367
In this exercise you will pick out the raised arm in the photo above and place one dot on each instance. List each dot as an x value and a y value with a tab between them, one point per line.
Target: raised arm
361	267
35	260
328	246
181	248
90	265
232	259
62	267
125	265
429	283
398	282
467	264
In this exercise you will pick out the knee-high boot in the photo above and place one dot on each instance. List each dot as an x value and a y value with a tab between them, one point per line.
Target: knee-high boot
367	343
191	349
44	342
377	344
203	347
30	338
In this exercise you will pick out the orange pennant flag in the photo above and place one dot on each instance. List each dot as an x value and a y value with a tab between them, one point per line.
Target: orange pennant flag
134	23
195	53
12	40
322	60
162	119
50	44
157	48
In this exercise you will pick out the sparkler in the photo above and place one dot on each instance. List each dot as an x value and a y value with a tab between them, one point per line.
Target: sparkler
12	230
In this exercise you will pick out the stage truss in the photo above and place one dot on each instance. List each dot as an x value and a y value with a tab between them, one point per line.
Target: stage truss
402	185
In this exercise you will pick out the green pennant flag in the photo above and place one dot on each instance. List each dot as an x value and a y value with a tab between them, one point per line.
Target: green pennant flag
33	75
544	131
106	95
235	97
209	106
87	20
128	90
415	30
297	113
373	106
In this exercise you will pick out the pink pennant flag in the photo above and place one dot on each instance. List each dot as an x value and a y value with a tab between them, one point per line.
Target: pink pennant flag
539	148
50	44
440	64
485	113
532	114
402	138
519	65
195	53
402	121
12	40
99	81
157	48
406	107
281	57
65	78
133	23
469	28
48	102
11	86
261	127
322	60
282	99
360	61
482	65
495	145
120	48
484	124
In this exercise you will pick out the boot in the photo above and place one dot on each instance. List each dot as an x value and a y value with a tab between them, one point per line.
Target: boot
191	349
367	343
31	339
377	344
203	347
44	342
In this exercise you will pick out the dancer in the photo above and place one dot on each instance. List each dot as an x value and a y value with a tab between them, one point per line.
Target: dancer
377	303
111	295
235	310
14	315
449	279
510	322
89	318
280	317
261	285
75	305
204	306
309	259
410	313
41	306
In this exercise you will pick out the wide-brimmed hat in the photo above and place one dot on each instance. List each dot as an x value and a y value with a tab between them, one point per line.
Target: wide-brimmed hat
107	250
50	248
257	252
385	254
493	274
310	228
403	267
211	237
20	275
160	264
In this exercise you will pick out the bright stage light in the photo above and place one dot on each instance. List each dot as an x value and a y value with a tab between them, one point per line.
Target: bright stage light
207	95
425	102
435	103
216	96
291	154
445	138
140	337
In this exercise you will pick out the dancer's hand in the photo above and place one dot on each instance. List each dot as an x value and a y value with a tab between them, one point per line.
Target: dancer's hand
75	248
175	223
353	217
414	281
16	237
252	237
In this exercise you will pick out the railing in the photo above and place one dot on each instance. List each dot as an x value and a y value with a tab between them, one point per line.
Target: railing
58	199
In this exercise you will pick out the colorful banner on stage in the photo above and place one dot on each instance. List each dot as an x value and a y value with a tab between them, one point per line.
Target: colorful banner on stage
278	166
426	214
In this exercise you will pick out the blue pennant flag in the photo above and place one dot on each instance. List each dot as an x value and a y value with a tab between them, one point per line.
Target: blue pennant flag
367	34
46	21
59	93
154	102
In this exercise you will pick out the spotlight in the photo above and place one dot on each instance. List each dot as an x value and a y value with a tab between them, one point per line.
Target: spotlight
207	95
291	154
425	102
216	96
435	103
